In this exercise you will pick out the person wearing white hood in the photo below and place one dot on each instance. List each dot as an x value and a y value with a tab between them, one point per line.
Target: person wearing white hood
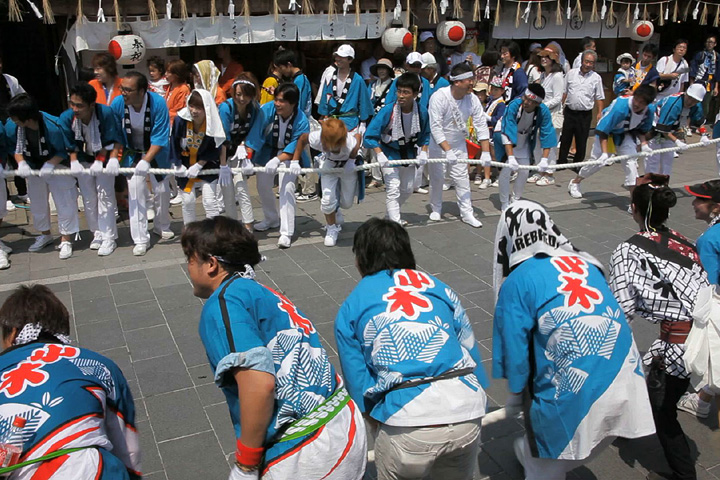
196	139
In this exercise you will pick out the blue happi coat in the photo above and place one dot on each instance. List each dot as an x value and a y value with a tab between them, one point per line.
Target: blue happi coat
70	397
208	152
669	113
54	142
380	128
423	97
616	117
708	247
305	102
159	133
227	117
439	83
109	134
356	108
247	325
404	325
560	336
260	138
542	129
4	149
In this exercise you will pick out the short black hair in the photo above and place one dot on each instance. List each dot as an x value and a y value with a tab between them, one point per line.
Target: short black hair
24	108
223	238
490	58
34	304
650	48
141	80
513	48
654	200
289	91
157	62
381	244
408	80
283	57
85	91
586	42
680	41
536	89
460	68
647	93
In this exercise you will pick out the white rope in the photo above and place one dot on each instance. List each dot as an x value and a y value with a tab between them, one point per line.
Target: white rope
392	163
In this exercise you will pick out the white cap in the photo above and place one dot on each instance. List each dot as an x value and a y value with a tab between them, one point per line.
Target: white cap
625	56
413	57
696	91
428	60
345	51
426	36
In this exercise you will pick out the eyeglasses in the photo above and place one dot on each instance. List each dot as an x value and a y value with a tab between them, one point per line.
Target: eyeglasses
127	90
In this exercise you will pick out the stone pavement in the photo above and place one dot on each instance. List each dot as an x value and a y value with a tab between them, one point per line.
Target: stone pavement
140	312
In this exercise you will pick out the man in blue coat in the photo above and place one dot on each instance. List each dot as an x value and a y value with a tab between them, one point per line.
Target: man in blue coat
413	64
705	71
287	63
144	123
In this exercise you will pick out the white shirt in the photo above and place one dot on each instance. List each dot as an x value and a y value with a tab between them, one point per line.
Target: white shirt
137	125
636	118
324	80
459	57
283	125
533	75
577	63
407	124
365	68
583	90
315	141
442	124
667	65
554	85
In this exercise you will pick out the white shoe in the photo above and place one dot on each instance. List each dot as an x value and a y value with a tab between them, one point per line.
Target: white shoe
574	189
691	403
264	225
166	235
435	217
629	210
5	248
339	218
4	261
331	235
472	221
10	206
150	214
284	241
446	187
545	181
41	242
176	200
107	247
421	190
140	249
484	184
534	178
65	250
24	199
495	184
478	180
96	241
513	176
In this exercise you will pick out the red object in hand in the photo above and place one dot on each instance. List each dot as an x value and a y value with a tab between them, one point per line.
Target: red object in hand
702	130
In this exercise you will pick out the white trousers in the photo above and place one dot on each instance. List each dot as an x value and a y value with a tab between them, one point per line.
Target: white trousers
98	194
238	191
338	191
419	173
64	193
399	182
549	468
3	200
138	205
522	158
459	175
287	200
627	147
660	162
209	200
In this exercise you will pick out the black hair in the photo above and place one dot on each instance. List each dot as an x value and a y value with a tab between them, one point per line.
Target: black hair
157	62
650	48
408	80
586	42
85	91
381	244
283	57
513	48
647	93
141	81
85	74
712	35
537	89
196	99
34	304
24	108
289	91
654	200
223	238
680	41
490	58
460	68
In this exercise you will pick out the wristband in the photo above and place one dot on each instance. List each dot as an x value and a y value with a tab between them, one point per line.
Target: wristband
249	157
247	456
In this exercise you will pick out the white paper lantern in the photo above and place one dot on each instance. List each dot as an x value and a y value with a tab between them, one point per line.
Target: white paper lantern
642	31
127	49
394	38
451	33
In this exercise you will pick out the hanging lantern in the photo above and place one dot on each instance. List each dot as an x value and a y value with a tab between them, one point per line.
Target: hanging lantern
396	37
450	33
642	31
127	49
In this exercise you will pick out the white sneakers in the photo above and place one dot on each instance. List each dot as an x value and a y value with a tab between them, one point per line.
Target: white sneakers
485	183
140	249
4	260
41	242
472	221
422	190
176	200
10	206
166	235
545	181
265	225
534	178
65	250
574	189
107	247
331	235
435	216
691	403
150	214
5	248
96	241
284	241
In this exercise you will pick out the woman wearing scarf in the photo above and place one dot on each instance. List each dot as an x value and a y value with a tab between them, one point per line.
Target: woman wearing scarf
75	405
206	76
564	345
293	417
238	115
656	274
195	142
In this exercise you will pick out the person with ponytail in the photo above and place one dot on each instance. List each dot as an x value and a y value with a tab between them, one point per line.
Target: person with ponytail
657	274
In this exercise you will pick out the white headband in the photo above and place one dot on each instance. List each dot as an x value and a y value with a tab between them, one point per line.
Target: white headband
532	96
245	82
462	76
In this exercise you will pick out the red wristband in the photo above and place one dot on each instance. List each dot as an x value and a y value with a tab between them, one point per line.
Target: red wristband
250	154
248	456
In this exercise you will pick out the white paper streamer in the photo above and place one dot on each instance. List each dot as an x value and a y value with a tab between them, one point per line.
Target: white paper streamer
101	14
603	11
231	9
397	11
168	10
569	10
346	5
696	11
35	10
444	4
636	14
526	13
487	10
667	11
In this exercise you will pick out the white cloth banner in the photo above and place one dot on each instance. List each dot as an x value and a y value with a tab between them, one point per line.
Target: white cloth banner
208	30
262	29
233	31
286	28
309	28
93	36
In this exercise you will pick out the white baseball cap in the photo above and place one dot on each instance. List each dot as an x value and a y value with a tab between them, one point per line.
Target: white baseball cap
345	50
413	57
426	36
696	91
428	60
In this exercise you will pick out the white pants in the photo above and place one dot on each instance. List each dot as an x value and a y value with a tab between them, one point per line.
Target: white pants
552	157
64	193
3	200
448	452
459	175
337	188
660	162
138	205
209	200
627	147
98	194
419	173
287	200
523	158
398	187
238	191
549	468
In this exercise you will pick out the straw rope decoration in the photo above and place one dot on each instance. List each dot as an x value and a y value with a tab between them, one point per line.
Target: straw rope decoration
79	13
14	13
407	14
183	10
307	7
152	13
383	14
497	14
704	15
716	22
661	17
611	11
517	16
118	20
331	9
645	14
477	11
558	14
457	9
246	11
675	12
627	17
433	16
48	15
357	12
594	17
213	11
578	10
687	11
538	17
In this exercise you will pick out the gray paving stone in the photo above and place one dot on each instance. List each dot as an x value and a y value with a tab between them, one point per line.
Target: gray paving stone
126	276
175	296
198	456
141	315
190	345
166	276
94	310
201	374
150	456
211	394
101	336
176	414
219	416
162	375
150	342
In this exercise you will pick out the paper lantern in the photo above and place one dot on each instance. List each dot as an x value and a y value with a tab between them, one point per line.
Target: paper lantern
451	33
642	31
127	49
394	38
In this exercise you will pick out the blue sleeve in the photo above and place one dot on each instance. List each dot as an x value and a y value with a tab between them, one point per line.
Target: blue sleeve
56	139
374	130
520	83
109	129
366	106
301	125
65	121
612	117
303	85
352	360
509	121
497	115
178	131
3	144
619	84
256	138
717	67
10	136
427	92
548	139
226	117
424	136
118	110
160	133
670	111
392	93
651	76
465	334
323	108
697	118
710	258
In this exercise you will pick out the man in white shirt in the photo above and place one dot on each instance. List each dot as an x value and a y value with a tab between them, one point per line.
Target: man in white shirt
365	66
588	43
673	70
450	108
